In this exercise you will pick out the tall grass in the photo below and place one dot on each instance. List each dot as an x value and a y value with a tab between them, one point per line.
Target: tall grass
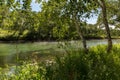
74	65
96	65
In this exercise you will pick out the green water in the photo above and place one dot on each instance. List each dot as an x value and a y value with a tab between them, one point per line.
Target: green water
41	50
24	51
12	48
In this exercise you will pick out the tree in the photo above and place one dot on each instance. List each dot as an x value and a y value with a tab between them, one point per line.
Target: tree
102	4
52	22
114	13
78	11
26	5
75	10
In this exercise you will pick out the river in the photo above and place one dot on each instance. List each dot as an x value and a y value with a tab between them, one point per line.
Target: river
10	53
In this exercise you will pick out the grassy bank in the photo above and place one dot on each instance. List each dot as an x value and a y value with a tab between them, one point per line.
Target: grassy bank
74	65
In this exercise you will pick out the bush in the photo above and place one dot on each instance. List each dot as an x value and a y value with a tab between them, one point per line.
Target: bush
26	71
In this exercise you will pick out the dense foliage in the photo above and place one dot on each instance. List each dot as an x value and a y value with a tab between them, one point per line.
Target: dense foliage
75	65
55	21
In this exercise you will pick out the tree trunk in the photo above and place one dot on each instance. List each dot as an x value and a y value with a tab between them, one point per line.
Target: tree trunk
80	33
105	21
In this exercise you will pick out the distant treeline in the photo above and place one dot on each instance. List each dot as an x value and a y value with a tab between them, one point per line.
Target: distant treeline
48	34
19	22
